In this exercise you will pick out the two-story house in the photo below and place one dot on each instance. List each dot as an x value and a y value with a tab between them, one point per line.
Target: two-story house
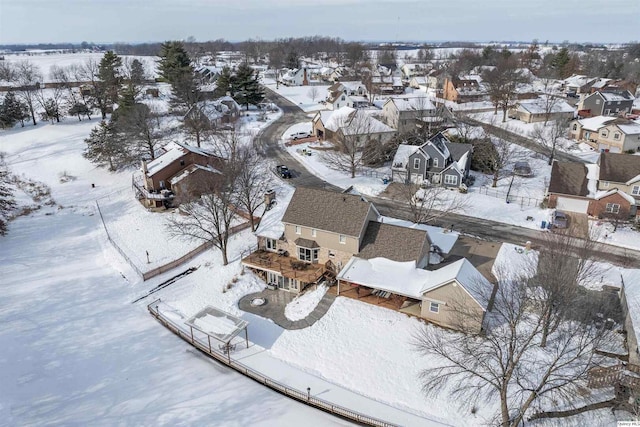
577	84
176	172
325	234
608	189
606	133
347	94
407	113
437	161
463	90
606	103
296	77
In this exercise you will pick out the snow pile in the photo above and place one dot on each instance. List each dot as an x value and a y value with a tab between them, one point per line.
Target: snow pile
304	304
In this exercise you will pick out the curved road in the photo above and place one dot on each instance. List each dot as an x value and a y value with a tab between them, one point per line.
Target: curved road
269	145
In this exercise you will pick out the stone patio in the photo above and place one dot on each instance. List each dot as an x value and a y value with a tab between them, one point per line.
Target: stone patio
276	301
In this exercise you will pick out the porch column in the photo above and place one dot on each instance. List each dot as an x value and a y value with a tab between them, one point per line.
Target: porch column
338	286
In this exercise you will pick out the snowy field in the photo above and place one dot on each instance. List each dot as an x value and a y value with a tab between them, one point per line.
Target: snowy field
45	61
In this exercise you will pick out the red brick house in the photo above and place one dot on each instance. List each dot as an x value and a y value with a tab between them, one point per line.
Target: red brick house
173	174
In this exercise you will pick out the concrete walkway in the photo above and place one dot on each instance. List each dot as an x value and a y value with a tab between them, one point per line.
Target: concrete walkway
277	301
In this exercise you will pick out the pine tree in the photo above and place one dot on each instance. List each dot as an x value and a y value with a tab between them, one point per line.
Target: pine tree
137	76
559	62
12	110
174	61
247	89
105	148
7	202
110	76
224	83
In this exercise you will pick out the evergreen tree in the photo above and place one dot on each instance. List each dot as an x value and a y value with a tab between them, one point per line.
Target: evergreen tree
7	202
110	76
79	109
559	62
105	147
292	60
138	75
247	89
12	110
224	83
174	61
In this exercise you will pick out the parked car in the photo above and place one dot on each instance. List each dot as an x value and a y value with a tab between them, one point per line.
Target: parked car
522	169
300	135
560	220
283	171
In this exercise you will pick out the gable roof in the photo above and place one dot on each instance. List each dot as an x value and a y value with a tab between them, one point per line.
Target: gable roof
440	143
595	123
540	106
172	152
569	178
403	153
393	242
617	167
618	95
404	278
458	150
328	211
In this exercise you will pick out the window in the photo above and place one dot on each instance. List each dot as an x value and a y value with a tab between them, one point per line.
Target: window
613	208
343	98
616	135
416	163
575	126
604	133
607	112
597	102
605	184
271	244
451	179
332	254
298	229
434	307
313	232
181	162
343	239
435	162
309	255
635	190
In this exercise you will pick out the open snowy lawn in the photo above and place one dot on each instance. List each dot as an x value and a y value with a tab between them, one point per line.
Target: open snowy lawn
301	95
625	235
75	351
45	60
304	304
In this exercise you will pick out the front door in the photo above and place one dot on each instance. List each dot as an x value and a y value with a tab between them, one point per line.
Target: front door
283	282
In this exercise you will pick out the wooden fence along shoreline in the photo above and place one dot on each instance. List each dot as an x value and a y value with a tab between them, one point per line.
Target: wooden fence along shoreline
226	359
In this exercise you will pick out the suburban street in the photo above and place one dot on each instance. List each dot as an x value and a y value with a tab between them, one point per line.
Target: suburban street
268	143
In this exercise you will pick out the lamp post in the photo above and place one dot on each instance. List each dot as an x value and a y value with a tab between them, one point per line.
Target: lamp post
308	393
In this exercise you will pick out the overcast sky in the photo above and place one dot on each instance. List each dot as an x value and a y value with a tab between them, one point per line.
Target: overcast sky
32	21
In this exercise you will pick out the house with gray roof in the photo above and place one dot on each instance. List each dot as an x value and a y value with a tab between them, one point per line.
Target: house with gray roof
606	103
341	237
437	161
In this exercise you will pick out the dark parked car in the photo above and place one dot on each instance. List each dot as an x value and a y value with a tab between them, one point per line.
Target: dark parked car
283	171
522	169
560	220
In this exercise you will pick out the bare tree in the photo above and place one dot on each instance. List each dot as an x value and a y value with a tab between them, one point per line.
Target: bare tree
429	203
565	262
28	78
502	83
197	123
313	93
508	362
52	99
353	143
208	218
251	182
549	135
142	127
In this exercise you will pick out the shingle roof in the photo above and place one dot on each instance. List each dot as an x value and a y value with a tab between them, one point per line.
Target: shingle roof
569	178
458	149
616	167
393	242
328	211
306	243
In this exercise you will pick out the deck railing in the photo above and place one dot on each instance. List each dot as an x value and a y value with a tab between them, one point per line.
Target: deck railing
226	359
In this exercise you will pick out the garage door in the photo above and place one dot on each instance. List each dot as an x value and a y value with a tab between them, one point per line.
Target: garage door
572	205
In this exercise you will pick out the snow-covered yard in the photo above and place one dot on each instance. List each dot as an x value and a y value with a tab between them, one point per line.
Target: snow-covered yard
306	97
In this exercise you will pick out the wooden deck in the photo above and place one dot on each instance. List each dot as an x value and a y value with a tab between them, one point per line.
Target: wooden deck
364	294
285	266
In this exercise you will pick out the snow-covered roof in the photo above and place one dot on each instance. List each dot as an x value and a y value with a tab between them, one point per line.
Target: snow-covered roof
617	96
630	128
334	120
404	278
191	169
540	106
402	155
593	174
443	239
413	103
271	225
172	152
354	122
594	124
577	80
462	163
602	194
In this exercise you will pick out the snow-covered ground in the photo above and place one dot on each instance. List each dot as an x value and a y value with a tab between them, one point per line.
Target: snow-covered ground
303	96
44	61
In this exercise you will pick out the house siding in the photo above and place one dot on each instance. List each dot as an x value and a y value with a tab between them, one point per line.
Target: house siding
597	208
326	240
456	299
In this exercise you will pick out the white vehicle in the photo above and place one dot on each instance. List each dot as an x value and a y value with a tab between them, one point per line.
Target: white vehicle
300	135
